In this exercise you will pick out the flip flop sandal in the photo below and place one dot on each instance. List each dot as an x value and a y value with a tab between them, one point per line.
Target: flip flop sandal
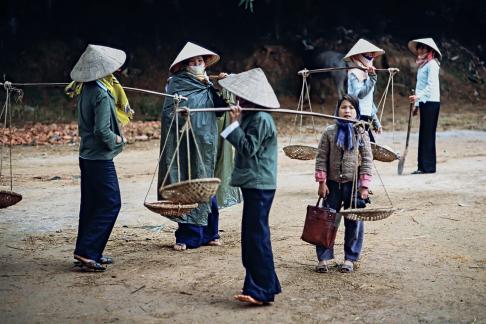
102	260
323	268
105	260
89	265
346	268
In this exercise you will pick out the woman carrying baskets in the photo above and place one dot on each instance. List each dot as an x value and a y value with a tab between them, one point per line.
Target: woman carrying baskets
336	163
427	100
255	172
189	79
362	81
101	141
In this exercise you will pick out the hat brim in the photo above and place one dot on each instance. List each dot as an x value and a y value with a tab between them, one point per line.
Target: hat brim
412	46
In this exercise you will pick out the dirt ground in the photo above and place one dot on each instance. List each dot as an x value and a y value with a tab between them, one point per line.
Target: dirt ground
426	263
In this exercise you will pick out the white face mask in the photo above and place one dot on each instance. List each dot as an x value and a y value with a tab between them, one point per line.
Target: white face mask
196	69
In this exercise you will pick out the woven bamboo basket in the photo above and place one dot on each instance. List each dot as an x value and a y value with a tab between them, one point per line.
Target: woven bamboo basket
191	191
9	198
300	152
368	214
383	153
168	208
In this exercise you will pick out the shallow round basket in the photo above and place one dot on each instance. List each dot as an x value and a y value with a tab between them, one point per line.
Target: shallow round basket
368	214
191	191
169	208
300	152
383	153
9	198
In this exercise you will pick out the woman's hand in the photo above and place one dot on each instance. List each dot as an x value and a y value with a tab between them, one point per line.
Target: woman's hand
222	75
363	192
413	98
378	130
371	69
235	113
323	190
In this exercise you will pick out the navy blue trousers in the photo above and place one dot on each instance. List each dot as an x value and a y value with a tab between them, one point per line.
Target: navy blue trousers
429	116
100	204
261	281
193	236
353	230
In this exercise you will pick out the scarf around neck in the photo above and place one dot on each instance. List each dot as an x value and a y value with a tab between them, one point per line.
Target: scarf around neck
424	58
124	112
362	62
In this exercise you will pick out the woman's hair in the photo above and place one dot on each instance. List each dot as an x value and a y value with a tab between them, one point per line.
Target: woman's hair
186	62
420	45
353	100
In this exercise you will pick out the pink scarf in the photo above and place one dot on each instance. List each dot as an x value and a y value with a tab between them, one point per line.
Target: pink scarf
424	58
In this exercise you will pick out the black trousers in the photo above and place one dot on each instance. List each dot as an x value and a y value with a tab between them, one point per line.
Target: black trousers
368	119
100	204
429	115
261	281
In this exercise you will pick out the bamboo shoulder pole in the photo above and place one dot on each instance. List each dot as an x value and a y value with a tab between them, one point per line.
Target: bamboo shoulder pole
63	84
331	69
283	111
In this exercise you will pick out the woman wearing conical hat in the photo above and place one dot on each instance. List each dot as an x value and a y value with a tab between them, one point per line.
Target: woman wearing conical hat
189	79
427	100
362	80
101	141
254	138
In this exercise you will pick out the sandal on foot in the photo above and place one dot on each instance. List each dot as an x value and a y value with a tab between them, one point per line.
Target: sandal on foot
322	268
179	247
102	260
105	260
89	265
347	266
248	299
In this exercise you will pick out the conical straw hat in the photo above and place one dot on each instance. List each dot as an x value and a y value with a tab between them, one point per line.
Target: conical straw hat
363	46
97	62
192	50
253	86
412	45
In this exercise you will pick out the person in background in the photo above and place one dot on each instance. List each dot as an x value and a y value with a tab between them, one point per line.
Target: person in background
426	100
362	80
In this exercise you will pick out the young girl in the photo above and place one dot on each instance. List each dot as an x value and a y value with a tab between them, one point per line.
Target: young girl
336	165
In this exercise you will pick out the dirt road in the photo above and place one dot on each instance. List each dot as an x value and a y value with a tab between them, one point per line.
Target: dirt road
425	264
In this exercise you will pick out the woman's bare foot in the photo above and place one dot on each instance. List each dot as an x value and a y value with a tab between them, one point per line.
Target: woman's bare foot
248	299
179	247
215	242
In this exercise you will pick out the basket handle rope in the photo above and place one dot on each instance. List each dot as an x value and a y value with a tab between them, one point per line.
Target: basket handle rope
8	112
381	103
186	128
160	157
354	187
304	96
